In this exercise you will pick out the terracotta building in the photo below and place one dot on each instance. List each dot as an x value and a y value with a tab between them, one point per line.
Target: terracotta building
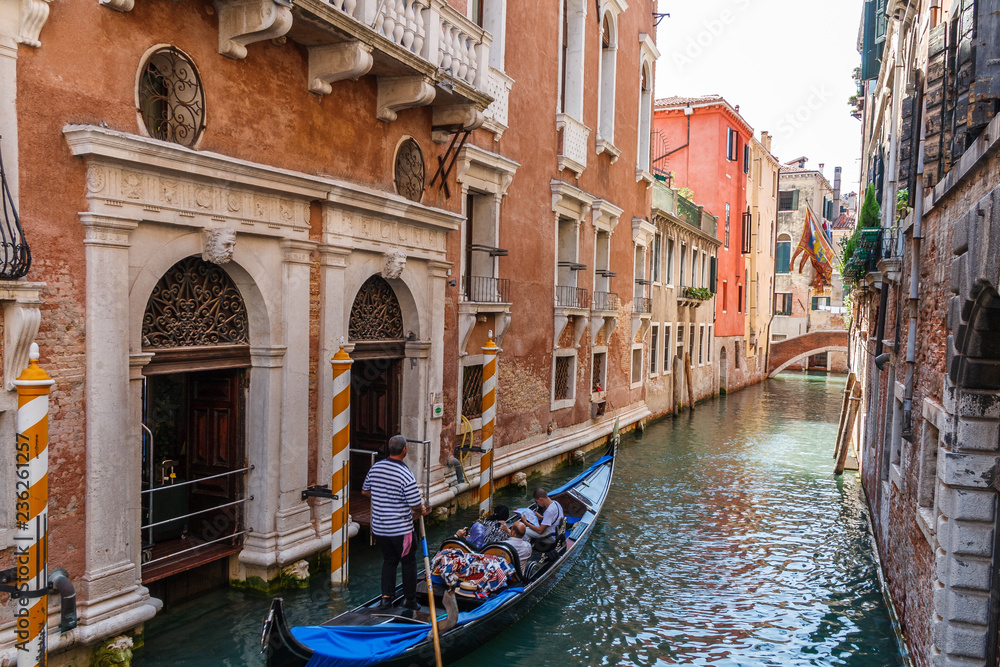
218	195
924	354
681	354
703	146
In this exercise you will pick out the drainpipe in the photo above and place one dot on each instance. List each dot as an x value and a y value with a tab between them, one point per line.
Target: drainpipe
60	582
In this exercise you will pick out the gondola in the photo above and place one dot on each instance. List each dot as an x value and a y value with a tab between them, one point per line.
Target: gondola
397	637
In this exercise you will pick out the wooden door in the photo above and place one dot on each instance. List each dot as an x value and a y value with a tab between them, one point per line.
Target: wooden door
215	442
375	412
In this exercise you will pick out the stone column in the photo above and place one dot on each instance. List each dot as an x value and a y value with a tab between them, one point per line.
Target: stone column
334	303
264	403
110	594
293	519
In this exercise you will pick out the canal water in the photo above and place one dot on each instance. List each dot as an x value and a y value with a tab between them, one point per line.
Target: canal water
725	540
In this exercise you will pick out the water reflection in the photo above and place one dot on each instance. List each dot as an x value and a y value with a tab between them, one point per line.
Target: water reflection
725	541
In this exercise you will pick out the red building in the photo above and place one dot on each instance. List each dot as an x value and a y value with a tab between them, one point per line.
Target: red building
703	145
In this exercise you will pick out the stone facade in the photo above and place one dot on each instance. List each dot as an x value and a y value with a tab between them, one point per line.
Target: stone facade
300	188
799	307
927	432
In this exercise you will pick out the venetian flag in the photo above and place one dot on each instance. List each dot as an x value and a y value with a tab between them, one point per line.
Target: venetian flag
815	246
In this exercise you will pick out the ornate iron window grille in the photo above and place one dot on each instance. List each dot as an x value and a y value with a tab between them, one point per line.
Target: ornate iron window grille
472	391
409	170
171	97
195	304
376	314
16	253
562	378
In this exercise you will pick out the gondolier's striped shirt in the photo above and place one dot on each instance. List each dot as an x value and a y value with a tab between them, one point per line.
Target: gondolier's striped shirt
394	493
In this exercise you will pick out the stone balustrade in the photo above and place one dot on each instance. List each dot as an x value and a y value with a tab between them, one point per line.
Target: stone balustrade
431	30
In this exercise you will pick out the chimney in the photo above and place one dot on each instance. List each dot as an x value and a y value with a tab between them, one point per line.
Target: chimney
836	189
821	165
765	140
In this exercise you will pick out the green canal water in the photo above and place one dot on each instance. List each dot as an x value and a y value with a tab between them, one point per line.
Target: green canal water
725	540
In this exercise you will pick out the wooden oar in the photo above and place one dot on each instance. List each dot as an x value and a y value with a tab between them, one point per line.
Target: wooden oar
430	594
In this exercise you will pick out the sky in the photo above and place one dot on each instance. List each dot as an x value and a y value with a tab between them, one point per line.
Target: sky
786	63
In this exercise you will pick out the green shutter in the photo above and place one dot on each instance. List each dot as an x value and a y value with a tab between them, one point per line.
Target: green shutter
795	200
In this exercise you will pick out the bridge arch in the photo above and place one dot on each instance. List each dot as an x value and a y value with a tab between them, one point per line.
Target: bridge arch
806	355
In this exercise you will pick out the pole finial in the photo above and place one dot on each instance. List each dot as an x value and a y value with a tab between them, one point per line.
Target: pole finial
33	352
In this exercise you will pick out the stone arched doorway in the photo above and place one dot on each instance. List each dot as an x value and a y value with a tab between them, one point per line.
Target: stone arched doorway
195	325
376	330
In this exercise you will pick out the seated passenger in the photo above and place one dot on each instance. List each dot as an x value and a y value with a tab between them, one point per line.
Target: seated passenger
487	530
516	540
548	519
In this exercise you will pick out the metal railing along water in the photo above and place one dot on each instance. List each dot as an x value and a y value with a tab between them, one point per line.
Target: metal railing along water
572	297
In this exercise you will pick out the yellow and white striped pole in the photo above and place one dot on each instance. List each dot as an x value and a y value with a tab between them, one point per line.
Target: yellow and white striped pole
32	512
490	351
339	540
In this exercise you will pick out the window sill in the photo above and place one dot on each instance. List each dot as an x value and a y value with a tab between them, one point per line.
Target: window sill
562	405
605	146
643	175
925	521
477	425
636	385
896	476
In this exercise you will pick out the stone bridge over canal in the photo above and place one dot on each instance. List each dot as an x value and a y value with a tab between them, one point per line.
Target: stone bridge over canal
786	352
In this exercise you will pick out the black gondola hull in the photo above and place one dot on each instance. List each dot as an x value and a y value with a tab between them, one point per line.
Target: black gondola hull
283	650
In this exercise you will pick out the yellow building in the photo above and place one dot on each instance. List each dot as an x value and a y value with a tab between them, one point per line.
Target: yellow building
761	217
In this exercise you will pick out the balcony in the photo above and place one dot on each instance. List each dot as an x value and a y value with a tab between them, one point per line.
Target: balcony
573	155
483	289
498	87
572	297
668	200
642	305
605	301
869	246
422	51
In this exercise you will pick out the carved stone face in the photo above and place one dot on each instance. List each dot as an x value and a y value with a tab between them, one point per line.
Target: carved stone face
219	245
393	264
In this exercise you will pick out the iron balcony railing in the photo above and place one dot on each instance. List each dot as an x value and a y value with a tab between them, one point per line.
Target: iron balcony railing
642	304
572	297
871	246
484	289
605	301
15	255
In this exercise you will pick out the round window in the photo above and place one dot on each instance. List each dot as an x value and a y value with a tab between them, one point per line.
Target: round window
171	98
410	170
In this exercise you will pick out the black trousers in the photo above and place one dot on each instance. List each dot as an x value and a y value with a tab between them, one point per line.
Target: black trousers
392	556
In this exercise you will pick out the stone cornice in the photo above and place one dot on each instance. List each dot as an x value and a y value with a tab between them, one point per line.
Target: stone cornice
485	170
570	201
145	155
680	227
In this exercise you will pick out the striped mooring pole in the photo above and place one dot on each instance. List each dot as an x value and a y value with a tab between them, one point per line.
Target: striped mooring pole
490	351
32	512
339	541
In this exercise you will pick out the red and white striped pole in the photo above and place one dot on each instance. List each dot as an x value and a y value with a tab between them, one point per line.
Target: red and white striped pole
490	351
339	540
32	512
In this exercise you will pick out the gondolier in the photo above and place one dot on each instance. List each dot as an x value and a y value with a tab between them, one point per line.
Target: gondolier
395	502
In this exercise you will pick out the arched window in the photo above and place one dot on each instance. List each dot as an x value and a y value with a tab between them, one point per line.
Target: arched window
645	114
195	304
609	57
784	254
376	314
